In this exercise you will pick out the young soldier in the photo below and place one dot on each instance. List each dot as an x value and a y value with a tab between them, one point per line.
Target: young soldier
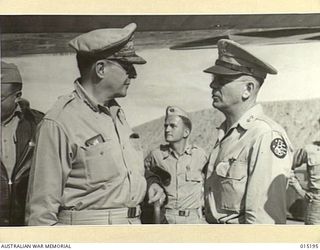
309	155
183	164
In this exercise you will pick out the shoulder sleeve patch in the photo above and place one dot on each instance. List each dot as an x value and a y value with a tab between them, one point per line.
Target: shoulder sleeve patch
279	147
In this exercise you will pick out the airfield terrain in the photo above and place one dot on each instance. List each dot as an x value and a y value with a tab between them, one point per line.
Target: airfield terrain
301	120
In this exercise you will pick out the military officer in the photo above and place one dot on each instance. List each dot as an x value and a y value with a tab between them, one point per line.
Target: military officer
183	162
88	165
250	163
309	155
18	126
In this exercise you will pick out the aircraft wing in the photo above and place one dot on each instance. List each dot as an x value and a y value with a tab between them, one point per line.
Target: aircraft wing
257	36
45	34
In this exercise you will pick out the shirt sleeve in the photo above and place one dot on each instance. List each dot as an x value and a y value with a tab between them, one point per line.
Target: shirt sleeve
49	170
299	158
269	167
151	177
158	174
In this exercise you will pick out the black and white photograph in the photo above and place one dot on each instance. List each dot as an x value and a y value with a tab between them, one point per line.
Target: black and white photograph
160	119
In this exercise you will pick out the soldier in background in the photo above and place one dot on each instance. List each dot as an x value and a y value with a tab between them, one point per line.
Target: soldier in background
88	164
18	126
180	165
249	166
309	155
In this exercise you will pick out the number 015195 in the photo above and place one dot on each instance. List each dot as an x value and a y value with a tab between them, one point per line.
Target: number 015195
309	245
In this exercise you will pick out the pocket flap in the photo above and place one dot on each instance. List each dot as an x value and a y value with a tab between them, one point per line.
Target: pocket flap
314	156
193	176
233	170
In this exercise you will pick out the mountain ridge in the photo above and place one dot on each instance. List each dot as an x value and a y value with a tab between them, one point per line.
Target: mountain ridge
298	117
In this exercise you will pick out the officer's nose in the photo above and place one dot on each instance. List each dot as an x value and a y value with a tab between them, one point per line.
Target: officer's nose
131	72
214	85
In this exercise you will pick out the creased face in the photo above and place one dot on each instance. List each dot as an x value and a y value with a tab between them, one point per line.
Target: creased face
117	78
226	91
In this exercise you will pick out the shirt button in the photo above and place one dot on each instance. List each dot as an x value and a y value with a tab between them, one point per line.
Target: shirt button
101	153
5	140
188	167
132	198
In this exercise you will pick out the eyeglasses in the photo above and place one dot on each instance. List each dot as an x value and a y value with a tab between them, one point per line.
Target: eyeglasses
3	98
128	67
223	80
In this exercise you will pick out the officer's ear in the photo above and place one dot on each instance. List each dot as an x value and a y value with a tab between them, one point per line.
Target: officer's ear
248	90
100	68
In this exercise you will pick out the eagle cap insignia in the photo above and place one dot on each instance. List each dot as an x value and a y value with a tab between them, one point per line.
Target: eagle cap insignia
279	148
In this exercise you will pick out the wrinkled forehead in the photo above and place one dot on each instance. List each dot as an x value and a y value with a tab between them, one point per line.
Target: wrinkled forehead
173	119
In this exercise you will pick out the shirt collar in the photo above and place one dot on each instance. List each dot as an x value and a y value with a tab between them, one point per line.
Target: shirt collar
250	116
113	108
169	151
85	96
244	123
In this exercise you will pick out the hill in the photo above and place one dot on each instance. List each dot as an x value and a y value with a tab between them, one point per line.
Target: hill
301	120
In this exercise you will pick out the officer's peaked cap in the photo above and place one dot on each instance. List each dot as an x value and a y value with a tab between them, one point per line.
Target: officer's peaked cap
235	60
111	43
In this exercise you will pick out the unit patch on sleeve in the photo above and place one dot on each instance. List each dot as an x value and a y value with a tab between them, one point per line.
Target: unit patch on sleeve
279	147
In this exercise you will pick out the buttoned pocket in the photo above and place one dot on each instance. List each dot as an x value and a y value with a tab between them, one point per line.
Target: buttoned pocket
194	175
100	163
232	177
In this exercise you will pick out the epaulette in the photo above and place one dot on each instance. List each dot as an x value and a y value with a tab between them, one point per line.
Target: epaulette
274	126
195	146
60	105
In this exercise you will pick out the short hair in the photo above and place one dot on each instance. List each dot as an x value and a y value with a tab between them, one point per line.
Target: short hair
186	122
84	63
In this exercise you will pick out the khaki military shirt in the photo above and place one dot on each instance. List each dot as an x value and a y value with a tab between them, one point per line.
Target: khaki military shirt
311	156
86	158
248	170
185	188
9	140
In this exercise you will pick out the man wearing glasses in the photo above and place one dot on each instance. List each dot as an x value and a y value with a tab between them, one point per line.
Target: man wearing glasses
18	126
249	166
88	165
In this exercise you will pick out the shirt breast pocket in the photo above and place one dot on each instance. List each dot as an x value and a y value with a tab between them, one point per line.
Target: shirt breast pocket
193	175
100	163
232	177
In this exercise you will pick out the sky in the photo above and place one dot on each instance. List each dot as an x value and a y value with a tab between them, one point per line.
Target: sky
175	77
